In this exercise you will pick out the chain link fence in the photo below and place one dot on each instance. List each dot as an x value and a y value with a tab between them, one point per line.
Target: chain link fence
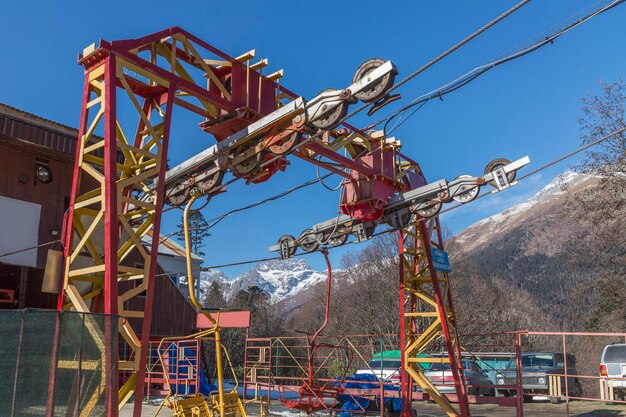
56	363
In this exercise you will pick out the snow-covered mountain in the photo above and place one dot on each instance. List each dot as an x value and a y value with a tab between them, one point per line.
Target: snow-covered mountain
287	280
278	279
540	206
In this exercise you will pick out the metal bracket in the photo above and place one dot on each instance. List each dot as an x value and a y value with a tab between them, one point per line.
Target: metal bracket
500	179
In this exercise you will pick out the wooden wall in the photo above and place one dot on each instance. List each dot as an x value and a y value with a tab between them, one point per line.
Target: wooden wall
172	313
19	160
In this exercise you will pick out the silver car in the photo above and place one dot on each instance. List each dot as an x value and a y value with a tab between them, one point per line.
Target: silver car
440	375
613	368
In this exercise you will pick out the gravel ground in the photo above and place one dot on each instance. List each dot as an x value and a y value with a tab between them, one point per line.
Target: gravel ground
577	409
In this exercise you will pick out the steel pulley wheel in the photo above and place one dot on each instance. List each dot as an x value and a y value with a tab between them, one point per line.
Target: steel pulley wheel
213	181
179	198
308	241
466	193
497	164
327	118
430	211
286	144
250	164
338	240
376	90
400	222
288	245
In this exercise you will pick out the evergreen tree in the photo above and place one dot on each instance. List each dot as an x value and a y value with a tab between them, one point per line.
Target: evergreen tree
198	231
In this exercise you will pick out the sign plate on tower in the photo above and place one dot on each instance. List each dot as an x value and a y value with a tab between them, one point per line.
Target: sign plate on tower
440	260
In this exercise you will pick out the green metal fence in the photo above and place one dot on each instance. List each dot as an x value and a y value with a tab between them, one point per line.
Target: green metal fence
55	363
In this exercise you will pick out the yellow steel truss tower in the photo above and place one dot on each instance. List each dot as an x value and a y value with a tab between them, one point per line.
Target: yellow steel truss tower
427	313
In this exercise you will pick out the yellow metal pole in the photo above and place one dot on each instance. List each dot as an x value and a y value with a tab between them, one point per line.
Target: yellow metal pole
194	301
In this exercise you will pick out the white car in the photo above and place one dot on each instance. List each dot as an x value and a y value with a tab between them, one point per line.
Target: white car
613	367
385	370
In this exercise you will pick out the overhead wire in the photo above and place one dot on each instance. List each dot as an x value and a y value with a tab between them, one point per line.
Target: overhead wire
480	70
468	77
553	162
423	68
449	51
454	85
460	81
539	169
454	207
251	261
415	73
30	248
214	221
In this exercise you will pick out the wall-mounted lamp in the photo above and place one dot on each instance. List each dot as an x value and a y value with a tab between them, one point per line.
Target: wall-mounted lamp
43	173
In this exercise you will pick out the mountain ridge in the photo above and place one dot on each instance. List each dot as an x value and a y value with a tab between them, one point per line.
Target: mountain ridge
286	281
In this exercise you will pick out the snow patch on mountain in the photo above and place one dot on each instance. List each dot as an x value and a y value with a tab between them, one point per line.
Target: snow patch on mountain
488	229
278	279
204	281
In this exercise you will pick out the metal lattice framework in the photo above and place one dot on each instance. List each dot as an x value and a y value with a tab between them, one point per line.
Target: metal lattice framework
108	219
130	90
427	314
119	188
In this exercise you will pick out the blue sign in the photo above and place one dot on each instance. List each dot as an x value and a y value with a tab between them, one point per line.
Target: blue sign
440	260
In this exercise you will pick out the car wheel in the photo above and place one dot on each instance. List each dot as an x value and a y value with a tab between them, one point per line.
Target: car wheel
527	398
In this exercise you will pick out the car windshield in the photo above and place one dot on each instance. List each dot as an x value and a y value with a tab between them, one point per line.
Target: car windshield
386	364
534	360
616	353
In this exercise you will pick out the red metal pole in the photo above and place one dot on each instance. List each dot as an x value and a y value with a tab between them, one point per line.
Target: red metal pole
111	234
154	250
518	374
406	387
382	397
56	340
566	385
455	366
451	305
245	366
329	276
84	114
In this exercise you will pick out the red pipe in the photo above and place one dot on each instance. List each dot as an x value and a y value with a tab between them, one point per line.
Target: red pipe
326	315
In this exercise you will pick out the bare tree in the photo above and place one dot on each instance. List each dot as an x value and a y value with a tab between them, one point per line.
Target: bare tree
604	112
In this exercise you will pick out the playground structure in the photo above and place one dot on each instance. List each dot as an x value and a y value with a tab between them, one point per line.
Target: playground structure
121	184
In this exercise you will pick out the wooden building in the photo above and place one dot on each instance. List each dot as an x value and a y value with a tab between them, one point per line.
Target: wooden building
36	166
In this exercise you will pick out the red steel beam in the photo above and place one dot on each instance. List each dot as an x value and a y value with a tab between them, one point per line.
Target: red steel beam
159	202
111	232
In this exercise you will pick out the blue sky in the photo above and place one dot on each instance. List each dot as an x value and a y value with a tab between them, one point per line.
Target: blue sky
526	107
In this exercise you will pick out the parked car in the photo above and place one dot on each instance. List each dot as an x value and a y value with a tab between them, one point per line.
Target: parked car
536	368
490	362
440	375
386	365
385	370
613	368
